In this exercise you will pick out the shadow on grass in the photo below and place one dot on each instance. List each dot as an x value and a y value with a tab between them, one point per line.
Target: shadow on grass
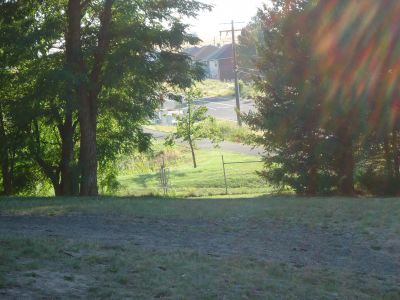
143	180
151	197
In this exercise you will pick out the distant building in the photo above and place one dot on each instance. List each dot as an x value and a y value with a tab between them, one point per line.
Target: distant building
192	51
217	61
221	63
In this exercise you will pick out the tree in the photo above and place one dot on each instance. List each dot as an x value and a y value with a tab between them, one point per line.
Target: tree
250	36
329	110
92	70
132	28
23	35
360	57
290	110
195	124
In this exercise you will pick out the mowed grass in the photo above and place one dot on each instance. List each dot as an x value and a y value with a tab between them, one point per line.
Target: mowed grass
363	214
205	180
44	267
98	272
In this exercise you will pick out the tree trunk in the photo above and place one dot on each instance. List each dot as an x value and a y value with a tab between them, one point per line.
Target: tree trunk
312	181
396	159
67	156
193	155
76	65
87	91
388	156
52	173
7	177
88	150
389	168
345	163
396	154
5	166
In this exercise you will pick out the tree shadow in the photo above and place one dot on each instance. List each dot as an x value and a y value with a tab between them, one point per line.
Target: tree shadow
143	180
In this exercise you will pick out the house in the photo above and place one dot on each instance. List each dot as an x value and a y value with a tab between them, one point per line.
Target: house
220	63
201	54
217	61
192	51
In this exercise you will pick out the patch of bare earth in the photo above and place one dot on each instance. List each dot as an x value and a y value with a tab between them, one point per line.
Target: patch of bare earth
268	240
46	284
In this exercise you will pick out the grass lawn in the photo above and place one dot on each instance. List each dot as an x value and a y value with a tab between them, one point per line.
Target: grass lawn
255	248
206	180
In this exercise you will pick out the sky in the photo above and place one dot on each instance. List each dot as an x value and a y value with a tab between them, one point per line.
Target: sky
208	24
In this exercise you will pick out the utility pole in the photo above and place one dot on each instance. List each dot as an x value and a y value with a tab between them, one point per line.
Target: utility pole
235	71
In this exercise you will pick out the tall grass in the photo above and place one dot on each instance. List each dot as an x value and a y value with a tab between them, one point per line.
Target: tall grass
216	88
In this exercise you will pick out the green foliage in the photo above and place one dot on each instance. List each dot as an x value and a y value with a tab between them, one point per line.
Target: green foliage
289	109
324	111
230	131
248	90
226	130
108	181
250	36
194	124
40	89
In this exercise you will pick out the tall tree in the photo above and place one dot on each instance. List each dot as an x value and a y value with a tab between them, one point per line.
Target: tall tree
329	77
290	110
22	34
359	53
89	66
87	48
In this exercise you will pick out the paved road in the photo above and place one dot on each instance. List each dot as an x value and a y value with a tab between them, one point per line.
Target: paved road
206	144
225	107
220	107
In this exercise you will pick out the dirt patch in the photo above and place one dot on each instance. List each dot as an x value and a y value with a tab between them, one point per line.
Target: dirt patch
49	284
292	244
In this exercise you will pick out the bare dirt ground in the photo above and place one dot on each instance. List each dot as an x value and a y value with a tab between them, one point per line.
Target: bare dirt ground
297	245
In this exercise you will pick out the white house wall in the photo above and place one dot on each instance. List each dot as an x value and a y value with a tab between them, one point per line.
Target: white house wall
213	66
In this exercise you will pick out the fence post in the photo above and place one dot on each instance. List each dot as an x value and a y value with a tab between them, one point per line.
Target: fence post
223	166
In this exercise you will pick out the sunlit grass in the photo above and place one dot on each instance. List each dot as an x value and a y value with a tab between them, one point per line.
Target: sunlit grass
206	180
216	88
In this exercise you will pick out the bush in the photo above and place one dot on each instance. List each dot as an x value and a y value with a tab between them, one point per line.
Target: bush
373	180
247	90
233	133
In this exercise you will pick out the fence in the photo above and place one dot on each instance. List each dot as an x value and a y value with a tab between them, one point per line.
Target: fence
240	177
233	176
